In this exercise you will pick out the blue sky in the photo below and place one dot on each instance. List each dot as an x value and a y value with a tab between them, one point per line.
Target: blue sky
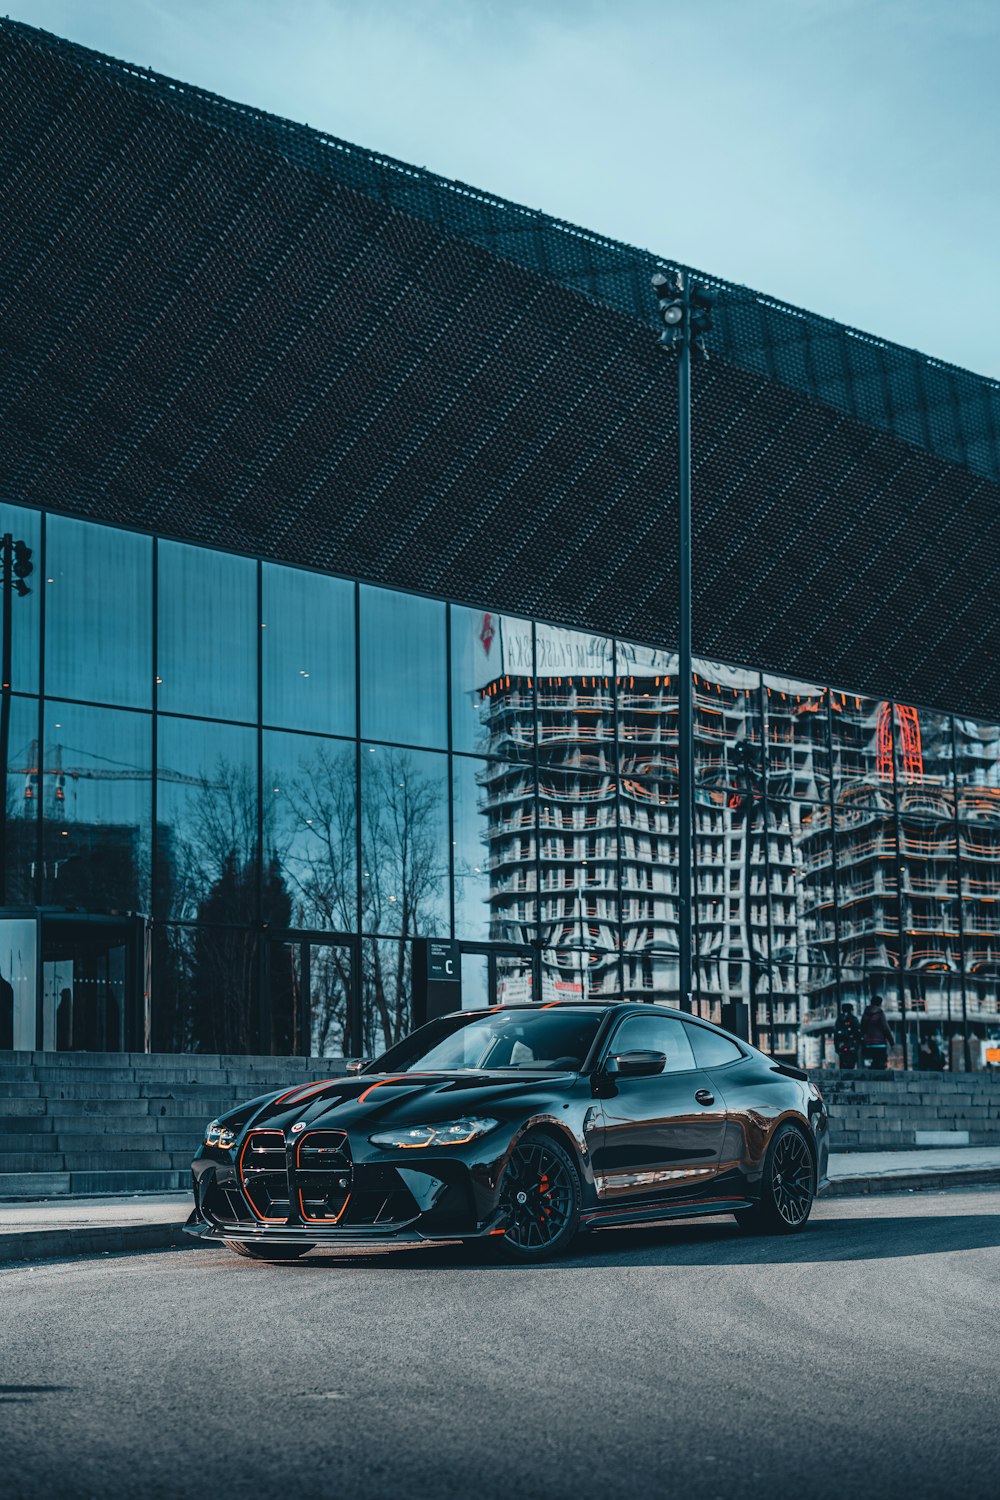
840	154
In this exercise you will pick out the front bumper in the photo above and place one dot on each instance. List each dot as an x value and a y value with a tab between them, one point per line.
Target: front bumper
263	1191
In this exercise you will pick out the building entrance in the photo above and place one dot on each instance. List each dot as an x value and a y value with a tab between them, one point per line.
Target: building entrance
497	976
313	1001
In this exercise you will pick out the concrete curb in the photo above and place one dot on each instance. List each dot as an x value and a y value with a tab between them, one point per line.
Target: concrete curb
59	1244
912	1182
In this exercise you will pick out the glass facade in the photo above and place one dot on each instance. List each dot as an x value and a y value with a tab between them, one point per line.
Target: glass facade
269	785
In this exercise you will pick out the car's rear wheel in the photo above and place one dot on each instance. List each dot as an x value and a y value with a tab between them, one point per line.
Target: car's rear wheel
267	1252
540	1195
788	1186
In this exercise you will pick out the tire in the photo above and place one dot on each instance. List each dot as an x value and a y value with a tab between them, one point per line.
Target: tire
787	1189
267	1252
540	1190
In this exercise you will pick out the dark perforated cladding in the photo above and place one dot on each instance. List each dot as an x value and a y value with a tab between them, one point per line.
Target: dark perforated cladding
213	340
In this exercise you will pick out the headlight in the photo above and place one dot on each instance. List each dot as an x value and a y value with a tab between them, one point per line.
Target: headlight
451	1133
220	1136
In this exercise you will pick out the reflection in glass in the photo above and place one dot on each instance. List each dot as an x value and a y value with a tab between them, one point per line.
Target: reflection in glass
404	840
648	839
797	736
863	750
492	676
310	833
979	844
475	981
977	749
22	794
205	979
868	889
578	859
575	697
206	650
309	986
98	613
646	686
206	822
25	610
96	808
493	817
403	668
515	979
929	893
308	645
925	778
726	723
18	950
386	992
568	974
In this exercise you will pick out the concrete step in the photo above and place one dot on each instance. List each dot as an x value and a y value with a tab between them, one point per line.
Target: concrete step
24	1124
87	1161
11	1109
90	1184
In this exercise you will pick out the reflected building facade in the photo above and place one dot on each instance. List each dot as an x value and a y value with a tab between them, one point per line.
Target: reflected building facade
239	794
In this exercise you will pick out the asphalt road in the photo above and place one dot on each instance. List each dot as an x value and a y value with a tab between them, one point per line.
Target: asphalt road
859	1359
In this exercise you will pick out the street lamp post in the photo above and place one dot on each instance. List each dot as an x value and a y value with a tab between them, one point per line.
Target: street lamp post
16	567
685	310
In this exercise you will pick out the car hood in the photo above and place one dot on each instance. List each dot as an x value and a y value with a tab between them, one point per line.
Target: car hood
409	1098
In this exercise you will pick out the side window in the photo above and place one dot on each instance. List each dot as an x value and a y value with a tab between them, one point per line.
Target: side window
655	1033
710	1049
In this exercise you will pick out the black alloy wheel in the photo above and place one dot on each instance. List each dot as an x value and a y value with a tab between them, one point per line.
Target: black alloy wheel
788	1186
540	1195
267	1252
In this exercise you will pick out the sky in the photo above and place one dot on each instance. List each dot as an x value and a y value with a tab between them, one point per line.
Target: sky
842	155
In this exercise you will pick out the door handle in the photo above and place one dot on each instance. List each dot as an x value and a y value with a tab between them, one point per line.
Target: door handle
705	1096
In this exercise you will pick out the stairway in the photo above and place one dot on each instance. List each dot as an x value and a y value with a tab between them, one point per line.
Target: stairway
82	1124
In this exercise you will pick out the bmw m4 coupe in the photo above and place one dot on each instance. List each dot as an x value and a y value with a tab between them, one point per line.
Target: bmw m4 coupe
520	1127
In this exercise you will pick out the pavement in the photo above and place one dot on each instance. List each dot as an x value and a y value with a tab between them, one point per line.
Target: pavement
858	1359
93	1226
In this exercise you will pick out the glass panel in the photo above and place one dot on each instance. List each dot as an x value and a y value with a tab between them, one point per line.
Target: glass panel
21	802
308	645
978	769
568	974
206	649
929	894
797	739
387	992
726	725
575	697
404	833
862	750
980	878
925	780
309	988
25	609
646	681
18	949
867	889
310	833
475	981
648	813
403	668
712	1050
494	819
86	989
206	824
209	976
578	859
96	808
515	979
98	613
492	684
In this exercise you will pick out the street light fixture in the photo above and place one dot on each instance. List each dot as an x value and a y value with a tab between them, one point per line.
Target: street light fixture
685	309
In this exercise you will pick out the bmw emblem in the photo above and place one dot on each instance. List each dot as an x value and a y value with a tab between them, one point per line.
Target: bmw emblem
299	1125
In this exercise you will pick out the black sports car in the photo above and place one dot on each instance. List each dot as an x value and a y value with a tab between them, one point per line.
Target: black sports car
520	1125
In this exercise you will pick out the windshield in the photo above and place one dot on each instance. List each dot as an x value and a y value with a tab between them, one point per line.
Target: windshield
500	1039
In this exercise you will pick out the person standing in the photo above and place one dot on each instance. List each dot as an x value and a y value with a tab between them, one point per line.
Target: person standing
876	1038
847	1036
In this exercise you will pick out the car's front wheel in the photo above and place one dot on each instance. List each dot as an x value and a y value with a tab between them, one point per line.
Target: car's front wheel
267	1252
787	1189
540	1196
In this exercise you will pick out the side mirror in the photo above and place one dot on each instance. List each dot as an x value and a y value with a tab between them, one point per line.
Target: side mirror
636	1064
355	1064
